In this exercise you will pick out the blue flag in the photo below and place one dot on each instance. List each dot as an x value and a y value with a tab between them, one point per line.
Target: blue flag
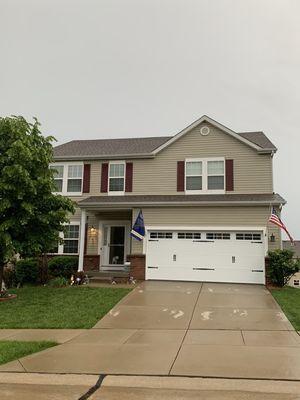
138	229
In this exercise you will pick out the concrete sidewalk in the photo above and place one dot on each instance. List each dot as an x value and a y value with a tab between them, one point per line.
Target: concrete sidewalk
182	329
62	387
53	335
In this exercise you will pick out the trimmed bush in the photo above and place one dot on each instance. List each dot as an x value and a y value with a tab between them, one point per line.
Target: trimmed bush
63	266
27	271
282	266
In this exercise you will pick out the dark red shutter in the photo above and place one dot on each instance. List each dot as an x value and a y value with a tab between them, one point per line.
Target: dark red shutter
104	178
229	176
128	180
180	176
86	178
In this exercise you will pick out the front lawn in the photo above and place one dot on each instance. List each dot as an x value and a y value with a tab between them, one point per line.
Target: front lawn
12	350
70	307
289	300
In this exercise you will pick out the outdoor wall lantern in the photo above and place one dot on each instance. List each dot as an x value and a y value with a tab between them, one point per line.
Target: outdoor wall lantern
93	230
272	238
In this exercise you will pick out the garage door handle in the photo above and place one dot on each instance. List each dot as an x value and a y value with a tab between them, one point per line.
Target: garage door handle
204	241
203	269
257	270
256	242
153	240
153	267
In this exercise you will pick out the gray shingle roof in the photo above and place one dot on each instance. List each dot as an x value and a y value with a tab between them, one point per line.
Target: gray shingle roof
109	147
286	244
135	200
258	138
134	146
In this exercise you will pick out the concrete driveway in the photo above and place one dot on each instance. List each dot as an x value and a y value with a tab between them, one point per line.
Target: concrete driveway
186	329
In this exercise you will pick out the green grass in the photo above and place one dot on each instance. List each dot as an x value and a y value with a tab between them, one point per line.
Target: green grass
289	300
12	350
61	308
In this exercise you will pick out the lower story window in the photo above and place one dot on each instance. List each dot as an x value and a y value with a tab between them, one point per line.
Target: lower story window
70	238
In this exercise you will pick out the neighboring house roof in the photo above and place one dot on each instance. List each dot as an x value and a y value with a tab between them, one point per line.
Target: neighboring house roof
181	199
149	146
287	245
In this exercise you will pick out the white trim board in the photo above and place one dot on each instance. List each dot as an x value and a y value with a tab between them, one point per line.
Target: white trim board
216	124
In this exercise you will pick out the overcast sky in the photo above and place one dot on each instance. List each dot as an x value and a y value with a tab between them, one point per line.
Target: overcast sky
126	68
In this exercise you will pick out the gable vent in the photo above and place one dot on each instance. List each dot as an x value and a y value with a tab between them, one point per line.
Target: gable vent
204	130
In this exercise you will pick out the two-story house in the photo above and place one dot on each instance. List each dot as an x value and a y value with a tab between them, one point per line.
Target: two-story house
205	193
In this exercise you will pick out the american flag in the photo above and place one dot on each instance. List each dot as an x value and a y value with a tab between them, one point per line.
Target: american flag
277	221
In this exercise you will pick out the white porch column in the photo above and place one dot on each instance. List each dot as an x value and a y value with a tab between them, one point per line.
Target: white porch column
82	239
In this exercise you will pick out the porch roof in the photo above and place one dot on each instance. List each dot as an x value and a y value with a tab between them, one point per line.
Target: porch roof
182	200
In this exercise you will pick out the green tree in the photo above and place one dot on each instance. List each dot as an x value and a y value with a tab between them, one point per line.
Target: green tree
282	266
31	216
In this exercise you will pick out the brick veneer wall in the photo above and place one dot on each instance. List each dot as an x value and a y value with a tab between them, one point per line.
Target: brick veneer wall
137	266
91	263
267	263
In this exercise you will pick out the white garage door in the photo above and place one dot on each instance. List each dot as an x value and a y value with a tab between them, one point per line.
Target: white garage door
211	256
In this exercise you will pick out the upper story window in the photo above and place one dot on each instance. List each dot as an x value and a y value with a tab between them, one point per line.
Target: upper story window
58	176
193	175
68	178
74	184
206	175
116	177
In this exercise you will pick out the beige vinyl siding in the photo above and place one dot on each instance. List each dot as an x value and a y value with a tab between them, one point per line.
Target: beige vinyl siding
92	238
206	216
276	231
252	171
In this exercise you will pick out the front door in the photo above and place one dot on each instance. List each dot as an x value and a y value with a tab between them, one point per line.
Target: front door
114	246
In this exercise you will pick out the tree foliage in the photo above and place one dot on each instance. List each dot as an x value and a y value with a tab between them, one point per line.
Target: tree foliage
282	266
31	216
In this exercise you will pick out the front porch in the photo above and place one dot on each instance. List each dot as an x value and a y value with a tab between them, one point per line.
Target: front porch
105	241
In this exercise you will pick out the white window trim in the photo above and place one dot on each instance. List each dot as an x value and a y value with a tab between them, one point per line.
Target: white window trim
60	248
205	176
64	191
112	192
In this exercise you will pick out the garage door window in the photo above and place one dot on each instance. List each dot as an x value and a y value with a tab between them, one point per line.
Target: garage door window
248	236
218	236
189	235
161	235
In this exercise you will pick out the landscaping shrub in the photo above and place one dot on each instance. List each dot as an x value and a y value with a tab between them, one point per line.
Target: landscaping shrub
9	276
58	282
282	266
27	271
63	266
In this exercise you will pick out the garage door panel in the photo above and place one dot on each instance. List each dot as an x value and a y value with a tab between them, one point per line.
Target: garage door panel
221	260
229	275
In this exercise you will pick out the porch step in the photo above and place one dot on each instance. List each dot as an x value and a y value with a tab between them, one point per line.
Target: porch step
107	274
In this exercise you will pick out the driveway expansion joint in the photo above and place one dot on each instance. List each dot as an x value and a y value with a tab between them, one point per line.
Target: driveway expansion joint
184	336
94	388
